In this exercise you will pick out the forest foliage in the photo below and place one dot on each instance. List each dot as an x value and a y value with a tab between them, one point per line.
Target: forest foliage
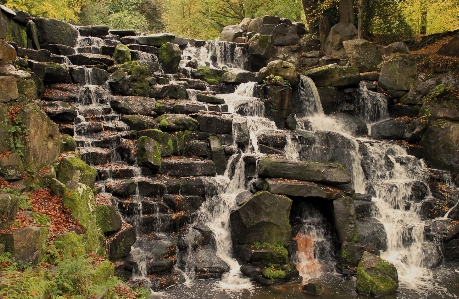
204	19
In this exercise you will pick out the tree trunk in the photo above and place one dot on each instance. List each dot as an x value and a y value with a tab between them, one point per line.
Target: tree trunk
423	21
346	11
361	19
307	7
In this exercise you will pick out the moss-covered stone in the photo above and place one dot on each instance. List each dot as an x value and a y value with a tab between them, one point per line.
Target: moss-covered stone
149	153
16	33
122	54
177	122
139	122
103	272
345	220
68	144
273	273
211	76
334	75
70	245
27	244
170	55
39	137
76	170
375	276
164	139
398	73
5	125
108	218
9	205
131	79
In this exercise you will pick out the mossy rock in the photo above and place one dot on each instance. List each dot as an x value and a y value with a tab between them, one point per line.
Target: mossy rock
149	153
108	219
170	55
139	122
375	276
26	244
131	79
103	273
70	245
177	122
68	143
210	75
122	54
165	140
5	125
9	205
16	33
75	169
345	220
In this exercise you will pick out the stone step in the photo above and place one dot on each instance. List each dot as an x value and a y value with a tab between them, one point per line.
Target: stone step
117	171
62	92
91	59
143	206
88	50
103	140
96	155
184	167
164	223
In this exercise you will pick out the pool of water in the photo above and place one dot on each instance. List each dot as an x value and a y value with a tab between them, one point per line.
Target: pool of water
445	285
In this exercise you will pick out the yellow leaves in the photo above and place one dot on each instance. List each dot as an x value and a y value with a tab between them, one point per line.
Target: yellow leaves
66	10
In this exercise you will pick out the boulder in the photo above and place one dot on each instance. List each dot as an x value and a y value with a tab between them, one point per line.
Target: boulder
372	234
345	220
313	288
170	55
265	255
171	91
108	219
442	229
331	173
26	244
395	48
131	79
375	276
139	122
91	59
158	255
94	30
441	102
302	189
96	76
123	188
334	75
51	31
9	205
11	167
211	99
431	256
264	219
363	55
149	153
230	33
338	34
390	129
350	255
156	40
165	140
281	68
398	74
254	25
210	75
441	143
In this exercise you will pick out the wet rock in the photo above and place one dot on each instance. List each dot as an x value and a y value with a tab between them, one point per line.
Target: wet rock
390	129
251	270
313	288
353	124
93	30
139	122
149	153
218	154
210	75
60	112
451	250
238	76
440	141
97	76
262	255
302	189
345	220
375	276
119	244
187	167
76	170
334	75
365	209
398	74
350	256
332	173
264	218
442	229
209	99
372	234
432	256
432	208
9	205
123	188
156	252
262	46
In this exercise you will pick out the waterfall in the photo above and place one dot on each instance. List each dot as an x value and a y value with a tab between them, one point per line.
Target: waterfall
371	106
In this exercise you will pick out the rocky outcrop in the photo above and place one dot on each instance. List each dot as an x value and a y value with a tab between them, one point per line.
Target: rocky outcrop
376	277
